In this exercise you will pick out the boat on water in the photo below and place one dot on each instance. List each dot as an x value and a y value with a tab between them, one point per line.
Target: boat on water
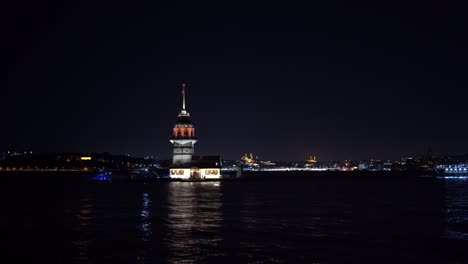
455	171
103	177
144	174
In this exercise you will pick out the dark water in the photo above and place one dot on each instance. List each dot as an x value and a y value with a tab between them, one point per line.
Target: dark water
269	219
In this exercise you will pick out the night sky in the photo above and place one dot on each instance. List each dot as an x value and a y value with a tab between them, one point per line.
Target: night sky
339	80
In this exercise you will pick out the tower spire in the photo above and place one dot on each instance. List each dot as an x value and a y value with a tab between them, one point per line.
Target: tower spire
183	96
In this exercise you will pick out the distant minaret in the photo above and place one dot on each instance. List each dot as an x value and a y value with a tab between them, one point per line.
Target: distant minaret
183	136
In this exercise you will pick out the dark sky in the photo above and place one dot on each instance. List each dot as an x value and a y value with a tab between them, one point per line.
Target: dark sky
341	80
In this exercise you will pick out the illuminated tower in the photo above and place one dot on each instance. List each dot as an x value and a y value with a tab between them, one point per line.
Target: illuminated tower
183	136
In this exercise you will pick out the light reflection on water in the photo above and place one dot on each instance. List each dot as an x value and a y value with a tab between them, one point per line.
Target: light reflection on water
86	217
145	229
145	215
194	220
456	210
316	220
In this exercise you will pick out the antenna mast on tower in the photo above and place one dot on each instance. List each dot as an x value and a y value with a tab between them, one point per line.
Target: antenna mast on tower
183	96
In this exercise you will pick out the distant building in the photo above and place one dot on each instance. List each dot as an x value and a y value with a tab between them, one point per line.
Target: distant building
185	165
311	159
363	166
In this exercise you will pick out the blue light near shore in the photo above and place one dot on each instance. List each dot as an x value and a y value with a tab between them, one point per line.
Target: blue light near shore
453	177
102	178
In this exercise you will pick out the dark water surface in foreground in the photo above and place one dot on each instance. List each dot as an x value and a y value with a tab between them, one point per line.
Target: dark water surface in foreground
268	219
